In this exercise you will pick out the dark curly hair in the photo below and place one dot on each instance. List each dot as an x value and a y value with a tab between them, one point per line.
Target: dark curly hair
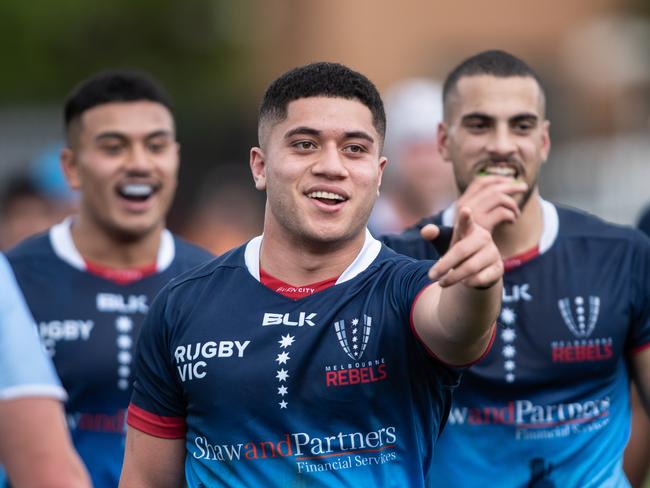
113	86
321	80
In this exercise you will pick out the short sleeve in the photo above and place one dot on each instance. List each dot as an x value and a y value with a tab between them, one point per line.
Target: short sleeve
25	369
157	406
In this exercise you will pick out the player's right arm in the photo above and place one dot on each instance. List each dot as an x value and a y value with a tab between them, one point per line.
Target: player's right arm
491	200
152	462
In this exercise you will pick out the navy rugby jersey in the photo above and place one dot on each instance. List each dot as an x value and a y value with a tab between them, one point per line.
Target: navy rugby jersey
89	325
550	402
333	389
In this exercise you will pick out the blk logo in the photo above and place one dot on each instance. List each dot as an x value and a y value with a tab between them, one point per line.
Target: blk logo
580	316
295	320
353	338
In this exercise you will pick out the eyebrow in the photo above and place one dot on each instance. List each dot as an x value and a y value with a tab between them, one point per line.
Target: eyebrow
515	118
357	134
122	136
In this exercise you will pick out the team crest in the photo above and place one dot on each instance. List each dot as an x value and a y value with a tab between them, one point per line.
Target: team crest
353	338
582	317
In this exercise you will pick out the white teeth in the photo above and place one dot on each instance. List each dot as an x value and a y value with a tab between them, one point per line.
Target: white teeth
325	194
500	171
136	190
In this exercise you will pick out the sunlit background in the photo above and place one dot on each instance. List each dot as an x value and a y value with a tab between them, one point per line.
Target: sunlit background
215	57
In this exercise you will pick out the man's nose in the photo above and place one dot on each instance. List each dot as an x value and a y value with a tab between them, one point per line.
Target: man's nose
330	162
502	142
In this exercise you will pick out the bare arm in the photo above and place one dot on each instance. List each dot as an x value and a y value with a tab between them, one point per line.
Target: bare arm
35	446
454	316
152	462
636	461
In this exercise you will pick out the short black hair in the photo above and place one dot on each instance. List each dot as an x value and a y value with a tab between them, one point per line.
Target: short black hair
113	86
493	62
322	79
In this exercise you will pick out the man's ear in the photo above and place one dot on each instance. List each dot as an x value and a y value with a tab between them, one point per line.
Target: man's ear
383	161
258	167
442	140
546	140
70	168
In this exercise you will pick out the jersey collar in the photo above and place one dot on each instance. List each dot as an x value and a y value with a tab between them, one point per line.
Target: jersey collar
369	252
63	245
550	221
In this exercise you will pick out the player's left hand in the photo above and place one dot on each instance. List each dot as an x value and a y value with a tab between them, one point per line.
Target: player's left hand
472	259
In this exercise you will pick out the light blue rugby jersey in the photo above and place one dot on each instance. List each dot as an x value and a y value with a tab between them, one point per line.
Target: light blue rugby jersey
25	370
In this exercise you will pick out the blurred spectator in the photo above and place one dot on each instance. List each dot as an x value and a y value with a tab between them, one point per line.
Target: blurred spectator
228	213
24	211
417	182
35	199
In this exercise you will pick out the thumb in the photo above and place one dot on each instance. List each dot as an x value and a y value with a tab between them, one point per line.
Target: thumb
430	232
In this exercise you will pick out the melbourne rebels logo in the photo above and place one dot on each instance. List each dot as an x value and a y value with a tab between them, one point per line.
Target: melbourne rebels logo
582	322
353	338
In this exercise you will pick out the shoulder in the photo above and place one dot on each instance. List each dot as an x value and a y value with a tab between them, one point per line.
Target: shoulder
189	253
579	224
203	273
32	247
411	243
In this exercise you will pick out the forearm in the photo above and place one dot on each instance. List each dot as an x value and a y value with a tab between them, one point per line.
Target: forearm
39	454
152	462
467	314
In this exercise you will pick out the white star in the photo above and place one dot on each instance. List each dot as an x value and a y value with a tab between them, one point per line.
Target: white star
355	339
509	365
124	341
355	321
508	335
286	341
282	358
283	390
355	346
282	375
123	384
124	324
124	371
283	404
509	351
124	357
510	377
354	331
508	316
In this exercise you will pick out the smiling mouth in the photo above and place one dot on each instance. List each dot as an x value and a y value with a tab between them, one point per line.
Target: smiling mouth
327	197
500	170
137	192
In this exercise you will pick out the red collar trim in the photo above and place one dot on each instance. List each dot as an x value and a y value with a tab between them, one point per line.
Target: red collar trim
515	261
121	276
291	291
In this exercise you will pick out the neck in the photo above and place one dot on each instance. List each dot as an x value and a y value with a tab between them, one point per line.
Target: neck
297	262
525	233
100	246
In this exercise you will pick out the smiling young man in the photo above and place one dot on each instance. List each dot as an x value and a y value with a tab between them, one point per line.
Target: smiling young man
90	279
312	355
549	405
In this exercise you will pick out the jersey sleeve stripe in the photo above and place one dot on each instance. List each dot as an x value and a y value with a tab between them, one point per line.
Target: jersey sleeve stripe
156	425
433	355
